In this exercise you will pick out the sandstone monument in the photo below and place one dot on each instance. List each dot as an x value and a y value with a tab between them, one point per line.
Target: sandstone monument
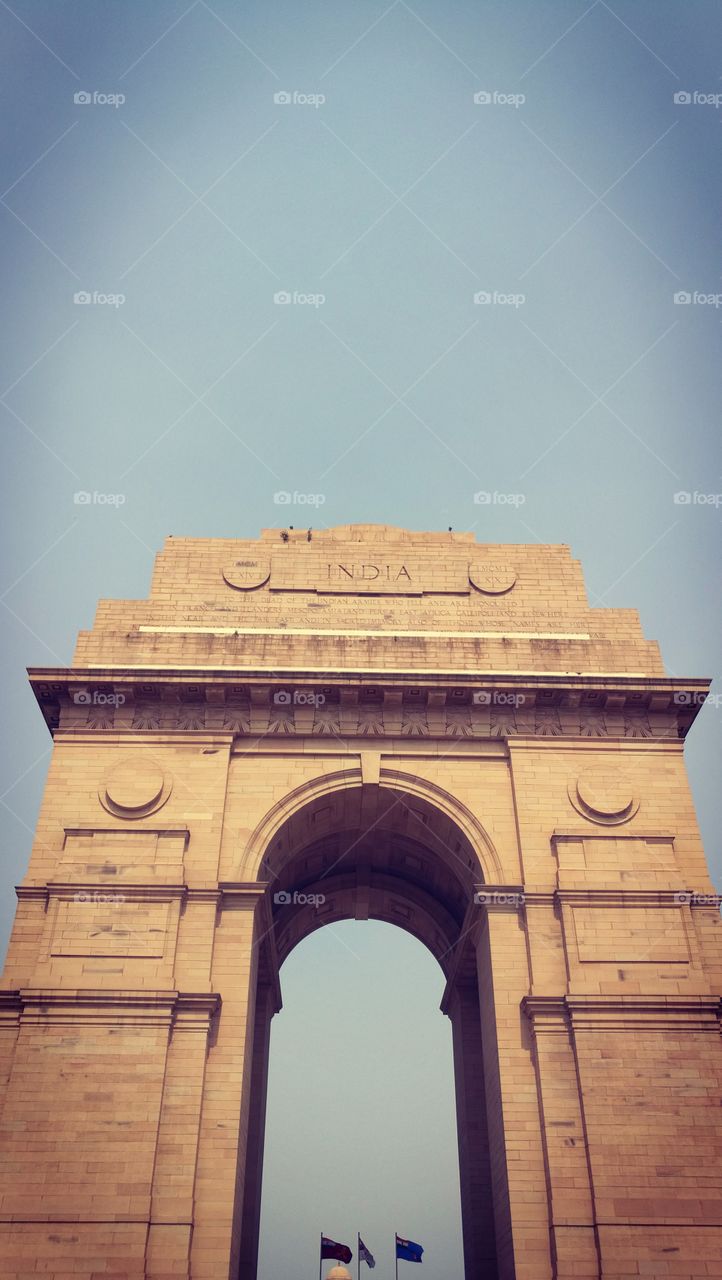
364	722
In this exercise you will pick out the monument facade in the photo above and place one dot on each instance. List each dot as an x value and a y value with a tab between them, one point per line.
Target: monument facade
364	722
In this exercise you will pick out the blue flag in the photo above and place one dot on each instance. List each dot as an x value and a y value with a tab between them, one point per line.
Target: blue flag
407	1250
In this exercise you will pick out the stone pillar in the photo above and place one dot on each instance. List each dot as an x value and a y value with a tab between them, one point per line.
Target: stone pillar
171	1225
649	1069
517	1155
573	1226
477	1210
266	1006
225	1120
79	1131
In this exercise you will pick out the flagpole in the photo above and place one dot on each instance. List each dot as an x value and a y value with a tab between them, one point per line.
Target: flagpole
358	1254
396	1254
320	1257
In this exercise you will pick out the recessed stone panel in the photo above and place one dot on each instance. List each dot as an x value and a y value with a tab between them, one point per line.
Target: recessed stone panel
104	923
130	855
642	935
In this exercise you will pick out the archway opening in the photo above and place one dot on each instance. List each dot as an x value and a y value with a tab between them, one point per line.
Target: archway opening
386	854
360	1134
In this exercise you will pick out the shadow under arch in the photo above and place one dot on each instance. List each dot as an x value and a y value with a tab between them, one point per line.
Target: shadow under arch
395	780
400	850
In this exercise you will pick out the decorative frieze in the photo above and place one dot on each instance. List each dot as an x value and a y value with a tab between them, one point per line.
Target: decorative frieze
492	708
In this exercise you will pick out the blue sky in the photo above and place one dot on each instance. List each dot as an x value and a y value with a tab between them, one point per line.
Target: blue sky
482	300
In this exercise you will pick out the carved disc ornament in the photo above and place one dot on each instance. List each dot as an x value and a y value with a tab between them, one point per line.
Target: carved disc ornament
604	795
247	574
492	578
134	787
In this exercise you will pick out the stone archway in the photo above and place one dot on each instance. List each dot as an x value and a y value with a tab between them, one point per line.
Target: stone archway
383	852
264	677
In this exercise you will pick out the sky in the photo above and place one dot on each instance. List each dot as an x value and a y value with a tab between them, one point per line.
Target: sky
426	264
361	1132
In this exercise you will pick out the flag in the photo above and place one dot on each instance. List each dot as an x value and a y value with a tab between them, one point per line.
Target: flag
407	1250
364	1255
330	1249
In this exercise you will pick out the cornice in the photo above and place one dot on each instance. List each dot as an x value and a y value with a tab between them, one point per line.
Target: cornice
504	898
215	706
163	1008
591	1012
250	891
624	897
227	675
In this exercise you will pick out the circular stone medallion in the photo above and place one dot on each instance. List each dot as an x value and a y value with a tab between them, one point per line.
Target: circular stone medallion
492	578
244	575
134	787
604	795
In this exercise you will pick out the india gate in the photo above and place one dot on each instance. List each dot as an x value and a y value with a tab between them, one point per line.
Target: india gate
421	729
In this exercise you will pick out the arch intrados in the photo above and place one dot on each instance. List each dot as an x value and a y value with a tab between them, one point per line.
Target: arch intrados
486	866
405	866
